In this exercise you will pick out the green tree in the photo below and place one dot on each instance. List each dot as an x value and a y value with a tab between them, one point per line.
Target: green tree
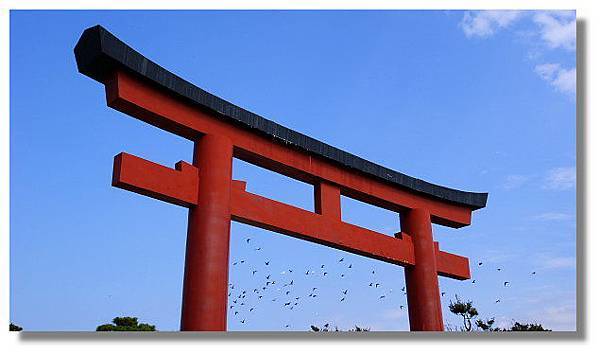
126	324
465	310
469	313
487	325
14	328
533	327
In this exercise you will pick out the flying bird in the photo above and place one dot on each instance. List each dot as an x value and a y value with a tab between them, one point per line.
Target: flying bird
342	275
382	296
343	298
443	293
243	321
350	266
257	249
376	285
247	240
307	272
345	292
342	259
497	301
253	272
479	263
473	281
498	269
267	262
322	266
506	283
533	273
251	309
287	304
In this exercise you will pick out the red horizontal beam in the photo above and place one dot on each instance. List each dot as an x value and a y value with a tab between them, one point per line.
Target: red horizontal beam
140	99
452	265
179	186
285	219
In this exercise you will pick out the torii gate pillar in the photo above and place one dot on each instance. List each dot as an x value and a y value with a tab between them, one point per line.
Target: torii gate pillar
204	305
422	288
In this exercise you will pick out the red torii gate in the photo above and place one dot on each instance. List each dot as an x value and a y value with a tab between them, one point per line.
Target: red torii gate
221	131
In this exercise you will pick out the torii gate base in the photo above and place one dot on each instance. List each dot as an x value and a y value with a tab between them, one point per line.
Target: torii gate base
221	131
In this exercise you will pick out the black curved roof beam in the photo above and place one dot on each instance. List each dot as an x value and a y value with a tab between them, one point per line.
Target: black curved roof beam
99	53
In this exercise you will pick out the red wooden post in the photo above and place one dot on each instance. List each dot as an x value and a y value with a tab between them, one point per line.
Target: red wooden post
423	292
327	200
204	305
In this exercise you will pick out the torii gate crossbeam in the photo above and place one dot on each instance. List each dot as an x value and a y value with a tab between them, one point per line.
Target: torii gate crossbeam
221	131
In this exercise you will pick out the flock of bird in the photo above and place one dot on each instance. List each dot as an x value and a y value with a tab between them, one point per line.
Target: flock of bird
288	288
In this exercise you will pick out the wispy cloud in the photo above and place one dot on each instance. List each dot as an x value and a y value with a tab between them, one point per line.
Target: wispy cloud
515	181
551	261
557	28
486	23
553	216
563	80
563	178
553	29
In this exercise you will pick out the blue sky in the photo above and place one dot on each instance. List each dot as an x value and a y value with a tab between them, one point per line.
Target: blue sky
480	101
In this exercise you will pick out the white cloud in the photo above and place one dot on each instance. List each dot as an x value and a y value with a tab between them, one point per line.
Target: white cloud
561	178
557	28
486	23
553	29
563	80
553	216
514	181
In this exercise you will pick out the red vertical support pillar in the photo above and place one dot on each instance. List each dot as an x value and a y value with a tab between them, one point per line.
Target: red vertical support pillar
205	285
423	291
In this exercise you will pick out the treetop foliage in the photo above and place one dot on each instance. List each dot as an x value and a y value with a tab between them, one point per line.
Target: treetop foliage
126	324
